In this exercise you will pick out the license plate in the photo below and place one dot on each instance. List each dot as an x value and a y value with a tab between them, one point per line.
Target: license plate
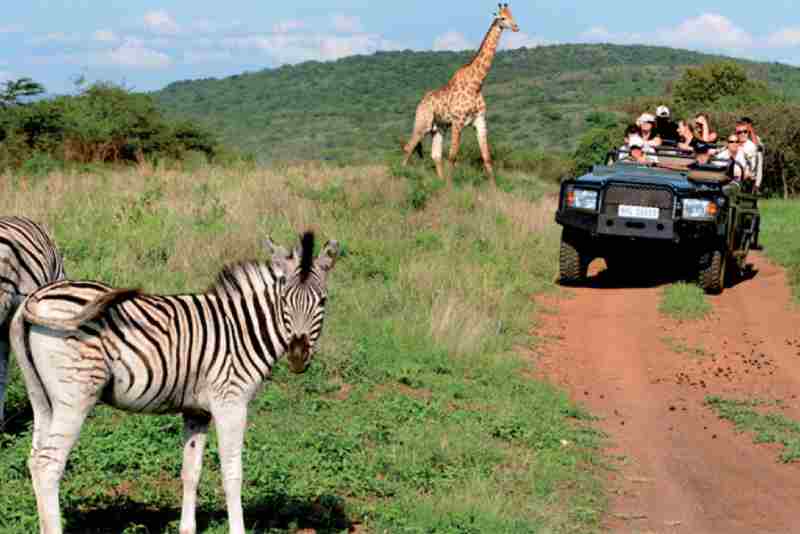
638	212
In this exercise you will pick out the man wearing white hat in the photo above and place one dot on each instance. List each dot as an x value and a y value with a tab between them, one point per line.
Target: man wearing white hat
666	129
647	123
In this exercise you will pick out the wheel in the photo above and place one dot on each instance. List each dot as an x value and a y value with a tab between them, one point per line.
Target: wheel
573	261
713	272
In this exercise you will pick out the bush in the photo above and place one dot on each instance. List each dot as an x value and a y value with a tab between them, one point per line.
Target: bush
593	147
104	123
705	85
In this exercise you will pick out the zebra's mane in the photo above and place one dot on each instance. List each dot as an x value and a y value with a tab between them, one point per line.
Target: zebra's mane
243	278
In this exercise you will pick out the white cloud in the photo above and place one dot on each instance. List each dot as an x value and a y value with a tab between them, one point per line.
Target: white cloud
60	38
12	28
453	41
192	57
601	34
209	26
160	22
133	54
104	36
297	47
6	75
514	40
286	26
784	38
710	30
347	24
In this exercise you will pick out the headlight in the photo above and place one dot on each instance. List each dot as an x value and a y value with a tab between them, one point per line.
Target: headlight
694	208
583	199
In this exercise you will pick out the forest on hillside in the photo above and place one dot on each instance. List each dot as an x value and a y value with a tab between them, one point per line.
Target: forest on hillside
361	108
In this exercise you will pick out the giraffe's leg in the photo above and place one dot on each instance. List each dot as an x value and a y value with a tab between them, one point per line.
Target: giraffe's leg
230	420
483	140
436	152
419	151
411	146
423	125
455	144
195	433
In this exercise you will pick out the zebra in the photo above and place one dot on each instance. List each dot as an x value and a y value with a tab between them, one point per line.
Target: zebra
204	356
28	259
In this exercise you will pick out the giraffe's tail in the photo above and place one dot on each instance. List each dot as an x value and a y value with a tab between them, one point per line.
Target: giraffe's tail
423	125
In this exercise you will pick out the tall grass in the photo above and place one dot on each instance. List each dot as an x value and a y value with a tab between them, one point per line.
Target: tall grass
779	227
416	416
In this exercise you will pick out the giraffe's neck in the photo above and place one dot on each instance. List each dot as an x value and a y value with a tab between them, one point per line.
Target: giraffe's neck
482	63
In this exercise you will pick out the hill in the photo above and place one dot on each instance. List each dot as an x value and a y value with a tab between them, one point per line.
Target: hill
362	107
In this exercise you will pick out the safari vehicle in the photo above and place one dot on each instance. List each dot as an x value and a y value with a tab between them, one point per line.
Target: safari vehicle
695	219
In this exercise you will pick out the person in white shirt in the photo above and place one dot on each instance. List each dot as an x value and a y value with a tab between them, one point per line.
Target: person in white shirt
646	123
749	149
636	152
737	166
755	139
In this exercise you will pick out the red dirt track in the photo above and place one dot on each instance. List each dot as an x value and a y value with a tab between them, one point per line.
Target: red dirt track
680	468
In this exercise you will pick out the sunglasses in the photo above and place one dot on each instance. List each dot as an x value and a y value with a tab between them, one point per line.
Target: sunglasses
733	141
740	132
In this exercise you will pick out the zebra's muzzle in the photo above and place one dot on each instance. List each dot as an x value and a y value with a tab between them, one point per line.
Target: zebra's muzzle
299	355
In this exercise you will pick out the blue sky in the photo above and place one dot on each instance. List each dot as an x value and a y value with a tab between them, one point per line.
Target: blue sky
147	44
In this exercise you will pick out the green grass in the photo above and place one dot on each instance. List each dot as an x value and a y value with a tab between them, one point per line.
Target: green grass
418	414
684	301
768	428
779	235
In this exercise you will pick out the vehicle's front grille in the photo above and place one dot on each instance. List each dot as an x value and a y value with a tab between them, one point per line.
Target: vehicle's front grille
638	195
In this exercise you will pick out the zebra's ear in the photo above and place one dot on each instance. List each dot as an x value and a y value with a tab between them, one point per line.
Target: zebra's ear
327	258
279	257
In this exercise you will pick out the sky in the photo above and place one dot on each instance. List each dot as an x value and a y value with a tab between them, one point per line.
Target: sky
147	44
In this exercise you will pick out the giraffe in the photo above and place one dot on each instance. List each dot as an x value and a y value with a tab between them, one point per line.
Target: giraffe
460	102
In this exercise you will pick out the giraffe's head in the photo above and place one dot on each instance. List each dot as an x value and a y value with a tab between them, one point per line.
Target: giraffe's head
505	19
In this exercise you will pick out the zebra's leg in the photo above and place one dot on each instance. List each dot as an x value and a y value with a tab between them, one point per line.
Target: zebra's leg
230	421
195	433
49	461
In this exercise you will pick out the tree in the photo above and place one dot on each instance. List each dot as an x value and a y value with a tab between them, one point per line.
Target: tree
14	90
704	85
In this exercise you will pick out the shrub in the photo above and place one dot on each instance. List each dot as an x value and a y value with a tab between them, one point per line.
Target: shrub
704	85
593	147
104	123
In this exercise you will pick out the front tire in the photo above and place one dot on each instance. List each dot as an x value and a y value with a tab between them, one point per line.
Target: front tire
713	272
573	260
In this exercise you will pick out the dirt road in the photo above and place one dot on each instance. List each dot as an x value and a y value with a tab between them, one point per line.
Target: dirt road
680	468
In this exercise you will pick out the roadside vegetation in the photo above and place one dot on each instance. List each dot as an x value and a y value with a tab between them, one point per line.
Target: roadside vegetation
419	413
769	427
779	235
100	124
684	301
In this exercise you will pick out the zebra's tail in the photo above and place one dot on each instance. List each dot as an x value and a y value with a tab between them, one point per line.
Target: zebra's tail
89	312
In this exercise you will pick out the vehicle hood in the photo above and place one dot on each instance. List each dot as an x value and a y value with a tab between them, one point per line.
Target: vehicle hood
678	181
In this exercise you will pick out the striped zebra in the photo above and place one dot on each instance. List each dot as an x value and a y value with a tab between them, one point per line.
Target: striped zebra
28	260
204	356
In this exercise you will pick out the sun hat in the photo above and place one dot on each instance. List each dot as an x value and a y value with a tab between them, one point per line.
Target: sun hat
635	141
645	117
662	111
